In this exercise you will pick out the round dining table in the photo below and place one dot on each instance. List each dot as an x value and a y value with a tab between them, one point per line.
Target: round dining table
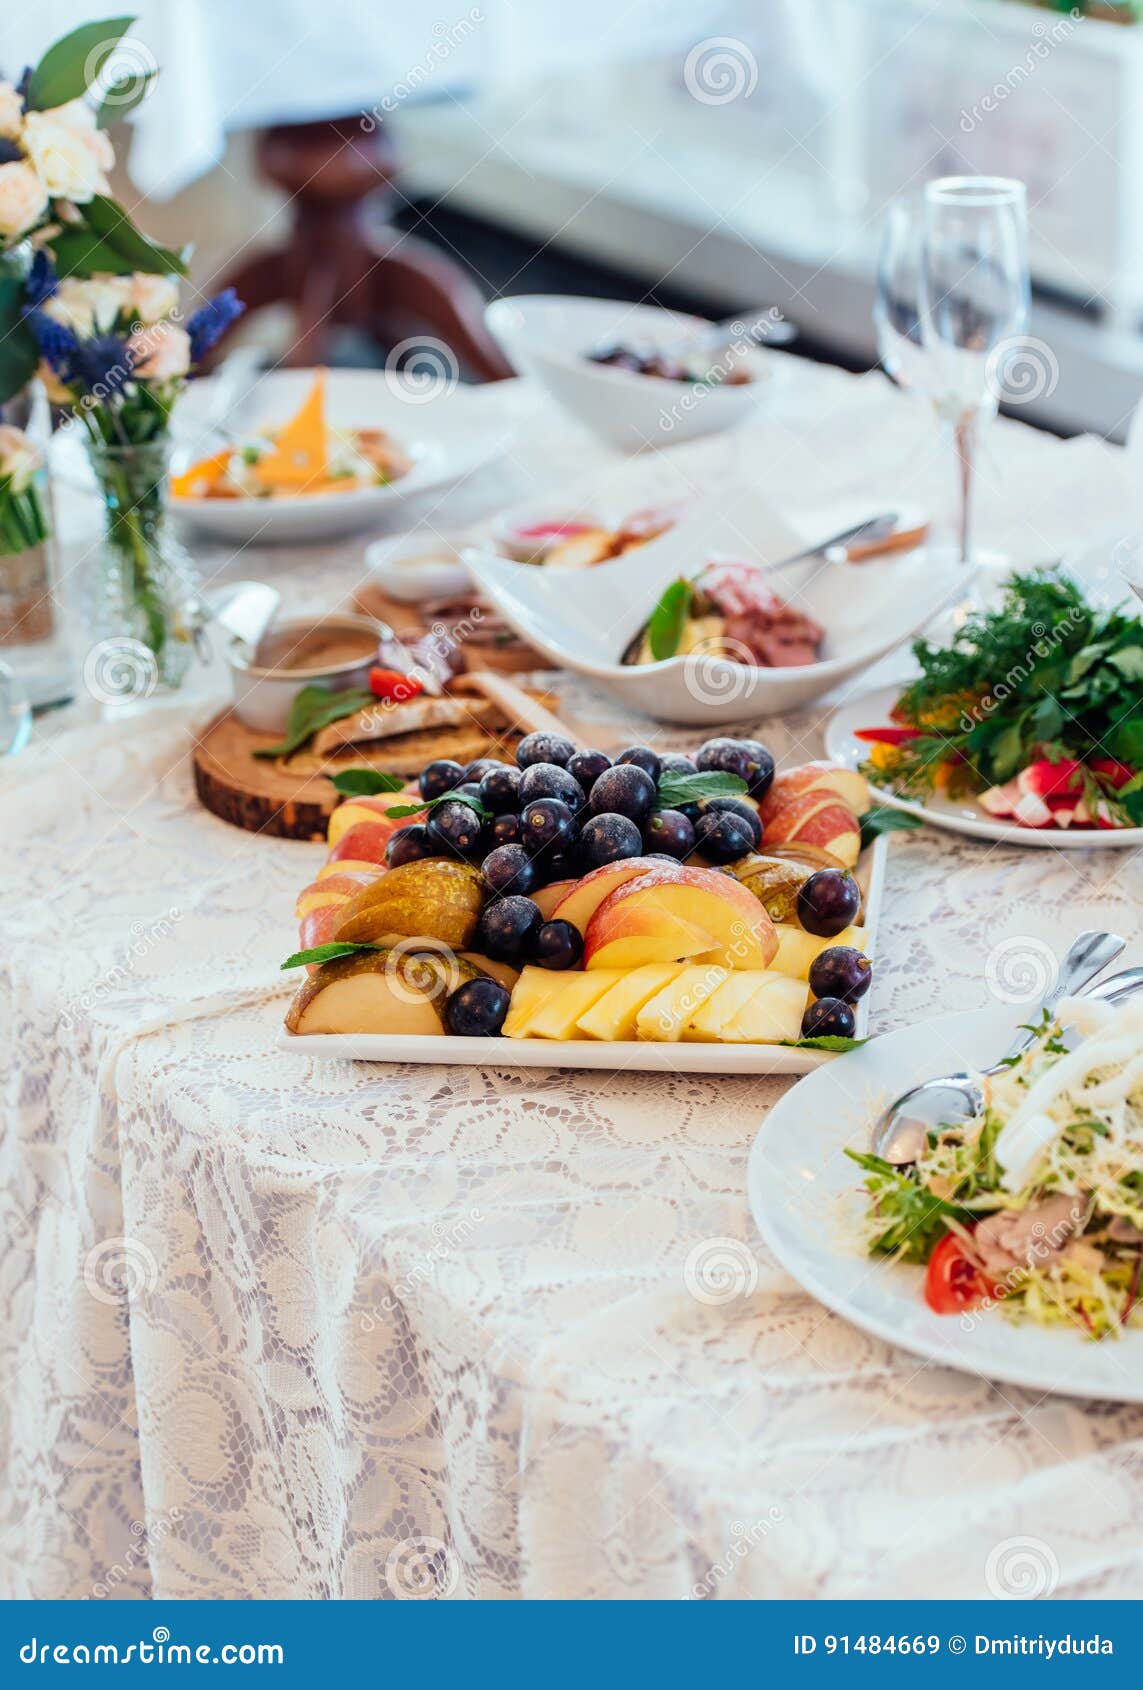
283	1326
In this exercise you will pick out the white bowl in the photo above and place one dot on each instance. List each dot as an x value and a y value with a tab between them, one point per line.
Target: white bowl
417	566
263	696
445	433
583	619
548	337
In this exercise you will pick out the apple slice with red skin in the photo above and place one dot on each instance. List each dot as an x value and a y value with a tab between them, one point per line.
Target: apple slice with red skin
670	914
365	841
584	897
816	818
846	785
330	889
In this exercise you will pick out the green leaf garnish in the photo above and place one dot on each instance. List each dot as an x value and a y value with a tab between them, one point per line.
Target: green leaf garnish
676	789
668	619
881	819
399	810
106	239
19	354
326	953
365	783
824	1041
122	97
73	63
314	708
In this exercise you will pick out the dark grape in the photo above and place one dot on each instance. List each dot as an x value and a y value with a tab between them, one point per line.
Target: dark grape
608	839
828	1015
587	766
548	780
743	757
482	766
723	837
674	763
738	807
558	945
828	902
691	811
500	790
409	845
509	869
470	789
477	1009
440	777
841	972
544	748
642	757
547	822
454	824
504	830
559	865
623	791
669	832
507	928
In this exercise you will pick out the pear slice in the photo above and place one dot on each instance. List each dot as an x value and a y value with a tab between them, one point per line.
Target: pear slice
431	899
377	992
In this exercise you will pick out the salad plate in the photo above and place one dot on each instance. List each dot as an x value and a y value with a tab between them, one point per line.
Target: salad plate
807	1201
957	815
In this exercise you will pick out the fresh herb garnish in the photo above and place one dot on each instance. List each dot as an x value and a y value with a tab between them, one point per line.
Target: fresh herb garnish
667	621
326	953
881	820
417	809
365	783
676	789
914	1220
314	708
824	1041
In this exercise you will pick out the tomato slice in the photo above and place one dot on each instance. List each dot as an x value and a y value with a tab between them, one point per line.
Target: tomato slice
391	684
953	1282
887	736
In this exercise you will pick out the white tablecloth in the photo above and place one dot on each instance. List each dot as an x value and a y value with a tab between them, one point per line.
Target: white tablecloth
283	1327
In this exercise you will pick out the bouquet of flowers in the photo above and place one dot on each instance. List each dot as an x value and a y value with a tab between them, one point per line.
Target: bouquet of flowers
22	521
54	160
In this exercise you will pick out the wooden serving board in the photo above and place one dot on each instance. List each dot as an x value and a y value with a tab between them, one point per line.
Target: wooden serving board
265	796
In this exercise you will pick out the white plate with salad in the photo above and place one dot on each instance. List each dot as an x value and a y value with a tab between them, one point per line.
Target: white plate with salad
1012	1251
1026	728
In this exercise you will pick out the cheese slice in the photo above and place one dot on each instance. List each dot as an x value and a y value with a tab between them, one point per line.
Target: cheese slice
201	479
300	454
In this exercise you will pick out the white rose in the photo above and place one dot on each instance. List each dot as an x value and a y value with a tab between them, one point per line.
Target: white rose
11	113
91	306
160	351
65	162
19	459
153	297
22	199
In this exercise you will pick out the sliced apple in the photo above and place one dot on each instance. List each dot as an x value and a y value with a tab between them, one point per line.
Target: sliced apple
531	991
347	865
364	842
368	811
332	889
375	992
316	928
664	1016
672	915
547	898
434	898
815	818
558	1015
848	785
612	1016
797	948
584	897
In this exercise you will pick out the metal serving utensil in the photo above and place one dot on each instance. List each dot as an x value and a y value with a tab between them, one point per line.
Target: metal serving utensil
900	1131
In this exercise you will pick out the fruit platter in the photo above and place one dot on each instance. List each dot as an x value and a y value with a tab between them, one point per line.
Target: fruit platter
703	913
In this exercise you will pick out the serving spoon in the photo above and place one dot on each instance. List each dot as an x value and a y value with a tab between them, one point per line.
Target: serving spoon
900	1131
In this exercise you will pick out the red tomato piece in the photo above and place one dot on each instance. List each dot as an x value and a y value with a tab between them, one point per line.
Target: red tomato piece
392	685
953	1282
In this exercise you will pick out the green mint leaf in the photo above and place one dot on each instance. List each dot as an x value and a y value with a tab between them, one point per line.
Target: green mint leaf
824	1041
314	708
73	62
668	619
105	239
365	783
399	810
676	789
326	953
122	97
881	820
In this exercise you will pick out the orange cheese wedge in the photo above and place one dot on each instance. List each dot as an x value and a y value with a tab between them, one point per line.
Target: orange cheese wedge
299	458
201	479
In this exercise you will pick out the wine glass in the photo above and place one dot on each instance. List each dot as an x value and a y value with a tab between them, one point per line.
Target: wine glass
952	300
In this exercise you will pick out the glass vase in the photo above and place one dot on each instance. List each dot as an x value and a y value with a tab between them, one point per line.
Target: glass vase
144	606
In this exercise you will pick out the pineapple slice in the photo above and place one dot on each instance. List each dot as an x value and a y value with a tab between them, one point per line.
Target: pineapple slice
612	1016
665	1016
531	991
797	948
774	1012
575	993
706	1024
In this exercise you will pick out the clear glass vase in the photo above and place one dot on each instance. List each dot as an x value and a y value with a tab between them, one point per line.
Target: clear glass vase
144	605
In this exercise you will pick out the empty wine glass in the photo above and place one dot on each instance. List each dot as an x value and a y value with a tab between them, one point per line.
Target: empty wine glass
951	304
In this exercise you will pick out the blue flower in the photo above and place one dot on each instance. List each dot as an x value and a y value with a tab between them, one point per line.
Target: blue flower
57	343
211	322
101	365
42	281
9	152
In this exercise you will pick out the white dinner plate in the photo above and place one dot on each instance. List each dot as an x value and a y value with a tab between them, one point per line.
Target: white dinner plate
806	1200
583	619
445	430
597	1053
959	815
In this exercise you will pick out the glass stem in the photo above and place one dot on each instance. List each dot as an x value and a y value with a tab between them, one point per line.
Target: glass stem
964	442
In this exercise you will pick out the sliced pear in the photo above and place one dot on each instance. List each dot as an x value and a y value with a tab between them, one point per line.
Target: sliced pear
377	992
431	899
797	948
575	993
502	972
774	881
613	1015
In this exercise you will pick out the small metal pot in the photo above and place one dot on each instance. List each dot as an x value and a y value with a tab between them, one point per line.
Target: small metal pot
263	695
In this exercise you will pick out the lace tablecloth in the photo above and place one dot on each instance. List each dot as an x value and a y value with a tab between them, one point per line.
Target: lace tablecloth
284	1327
